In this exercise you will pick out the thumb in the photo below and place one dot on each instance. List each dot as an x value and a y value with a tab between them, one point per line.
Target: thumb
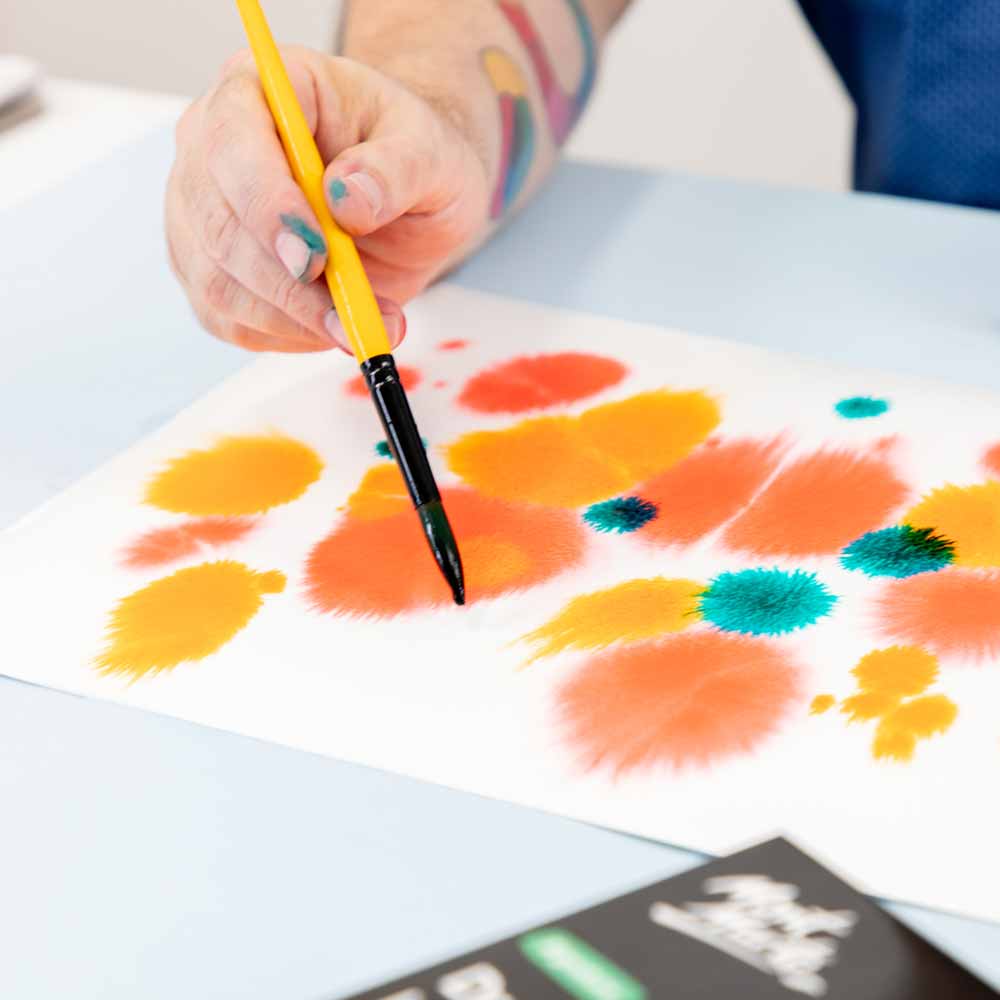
374	183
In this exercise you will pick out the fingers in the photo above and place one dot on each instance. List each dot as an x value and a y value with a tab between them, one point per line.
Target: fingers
410	162
392	316
244	159
228	309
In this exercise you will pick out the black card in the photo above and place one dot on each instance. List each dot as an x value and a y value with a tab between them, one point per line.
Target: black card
766	923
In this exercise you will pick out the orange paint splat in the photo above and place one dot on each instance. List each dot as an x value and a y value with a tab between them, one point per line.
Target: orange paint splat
410	378
381	493
533	383
573	461
919	719
688	700
991	460
634	610
166	545
705	490
953	612
452	345
183	617
819	504
968	516
238	475
822	703
382	567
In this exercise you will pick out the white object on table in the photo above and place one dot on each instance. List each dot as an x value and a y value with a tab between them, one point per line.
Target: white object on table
81	122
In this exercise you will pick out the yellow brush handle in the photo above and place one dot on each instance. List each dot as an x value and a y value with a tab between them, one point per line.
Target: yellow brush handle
352	294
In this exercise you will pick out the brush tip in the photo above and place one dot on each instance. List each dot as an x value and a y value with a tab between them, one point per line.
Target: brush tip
444	547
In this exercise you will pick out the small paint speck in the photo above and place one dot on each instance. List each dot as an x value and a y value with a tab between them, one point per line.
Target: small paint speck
452	345
822	703
899	552
621	515
861	407
338	189
765	601
440	384
383	450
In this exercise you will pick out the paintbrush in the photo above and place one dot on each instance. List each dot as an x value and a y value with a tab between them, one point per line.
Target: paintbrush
355	301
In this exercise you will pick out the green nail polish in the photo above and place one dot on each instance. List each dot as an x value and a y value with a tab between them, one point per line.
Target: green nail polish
338	189
305	232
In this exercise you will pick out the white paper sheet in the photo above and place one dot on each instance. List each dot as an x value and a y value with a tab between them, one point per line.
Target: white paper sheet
444	694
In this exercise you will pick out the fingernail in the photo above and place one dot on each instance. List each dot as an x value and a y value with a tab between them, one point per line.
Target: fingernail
333	327
368	188
395	327
296	245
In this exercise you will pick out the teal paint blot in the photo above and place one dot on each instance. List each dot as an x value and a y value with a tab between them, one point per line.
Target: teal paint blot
861	407
621	515
383	450
899	552
765	601
305	232
338	189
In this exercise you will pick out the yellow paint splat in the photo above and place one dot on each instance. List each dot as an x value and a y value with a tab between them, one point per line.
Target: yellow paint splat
968	516
573	461
629	612
646	434
868	705
381	493
822	703
891	683
918	719
898	671
183	617
238	475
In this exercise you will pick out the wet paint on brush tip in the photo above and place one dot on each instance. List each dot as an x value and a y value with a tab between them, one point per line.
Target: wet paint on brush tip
899	552
861	407
621	516
765	601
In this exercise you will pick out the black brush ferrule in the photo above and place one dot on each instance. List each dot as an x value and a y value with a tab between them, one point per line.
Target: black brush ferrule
400	428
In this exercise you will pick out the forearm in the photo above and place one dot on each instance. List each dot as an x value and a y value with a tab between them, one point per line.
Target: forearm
511	75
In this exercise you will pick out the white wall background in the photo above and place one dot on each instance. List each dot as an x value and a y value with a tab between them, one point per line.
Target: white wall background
736	88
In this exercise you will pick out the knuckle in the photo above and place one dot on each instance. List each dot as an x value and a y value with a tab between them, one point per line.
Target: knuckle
221	231
218	138
287	296
218	291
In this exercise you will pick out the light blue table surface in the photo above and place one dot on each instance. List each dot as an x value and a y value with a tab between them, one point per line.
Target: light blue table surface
146	857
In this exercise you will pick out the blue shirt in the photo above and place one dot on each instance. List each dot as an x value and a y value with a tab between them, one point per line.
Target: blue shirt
925	77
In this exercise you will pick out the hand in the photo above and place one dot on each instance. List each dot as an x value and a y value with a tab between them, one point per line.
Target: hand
243	241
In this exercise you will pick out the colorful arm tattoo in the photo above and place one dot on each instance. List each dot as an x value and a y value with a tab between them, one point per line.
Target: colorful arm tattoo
563	108
517	144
